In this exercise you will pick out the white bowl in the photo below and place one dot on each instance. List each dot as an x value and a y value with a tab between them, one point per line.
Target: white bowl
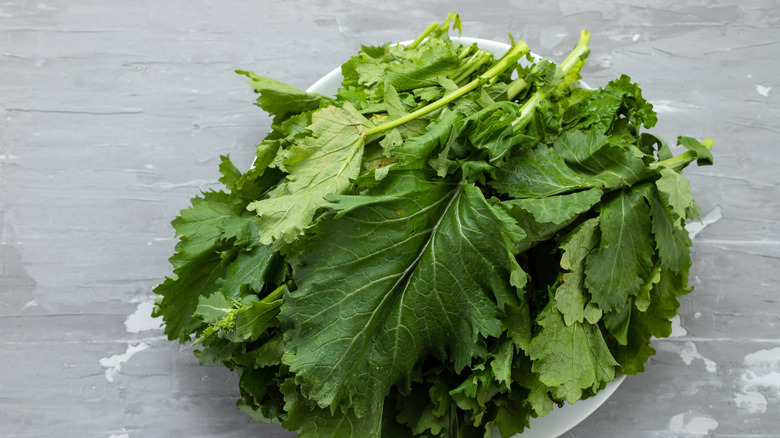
559	420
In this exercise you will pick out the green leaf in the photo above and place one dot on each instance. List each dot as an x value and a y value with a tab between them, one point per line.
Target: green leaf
638	110
211	219
230	173
253	319
209	231
675	192
439	134
250	271
537	173
517	324
501	363
651	141
618	267
570	359
266	355
420	414
214	307
312	421
560	208
703	154
260	177
671	239
636	328
236	321
389	282
599	111
605	163
570	297
492	129
512	415
421	67
323	163
279	98
179	295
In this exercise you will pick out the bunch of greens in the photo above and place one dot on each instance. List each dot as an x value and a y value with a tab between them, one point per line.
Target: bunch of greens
453	243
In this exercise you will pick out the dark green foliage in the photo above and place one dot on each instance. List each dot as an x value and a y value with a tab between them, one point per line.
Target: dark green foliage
441	249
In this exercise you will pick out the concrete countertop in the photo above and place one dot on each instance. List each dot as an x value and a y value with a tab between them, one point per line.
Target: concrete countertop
114	114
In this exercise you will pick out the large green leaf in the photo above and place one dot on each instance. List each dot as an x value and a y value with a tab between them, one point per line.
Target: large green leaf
619	266
570	358
537	173
571	298
323	163
675	192
608	163
392	280
209	231
560	208
671	238
421	66
213	218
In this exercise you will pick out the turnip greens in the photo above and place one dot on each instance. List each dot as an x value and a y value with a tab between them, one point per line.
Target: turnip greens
452	243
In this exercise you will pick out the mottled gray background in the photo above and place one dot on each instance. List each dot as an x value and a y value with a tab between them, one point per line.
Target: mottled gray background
114	114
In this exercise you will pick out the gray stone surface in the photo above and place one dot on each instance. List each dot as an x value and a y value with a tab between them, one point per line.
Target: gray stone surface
114	114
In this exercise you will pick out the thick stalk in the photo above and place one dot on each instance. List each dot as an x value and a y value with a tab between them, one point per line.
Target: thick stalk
579	52
479	59
515	87
424	34
568	65
276	294
678	162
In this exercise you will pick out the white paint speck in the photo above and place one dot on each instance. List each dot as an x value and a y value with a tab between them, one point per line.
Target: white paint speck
688	353
625	36
760	382
604	61
113	364
141	319
665	107
344	30
677	329
762	90
148	166
31	303
695	227
7	157
692	424
697	315
119	435
753	402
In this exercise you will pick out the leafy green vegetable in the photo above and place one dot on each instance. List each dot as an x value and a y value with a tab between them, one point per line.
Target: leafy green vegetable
448	246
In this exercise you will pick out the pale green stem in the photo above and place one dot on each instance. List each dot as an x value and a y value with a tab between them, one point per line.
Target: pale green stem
424	34
580	50
685	158
515	87
567	66
465	51
516	52
479	59
276	294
